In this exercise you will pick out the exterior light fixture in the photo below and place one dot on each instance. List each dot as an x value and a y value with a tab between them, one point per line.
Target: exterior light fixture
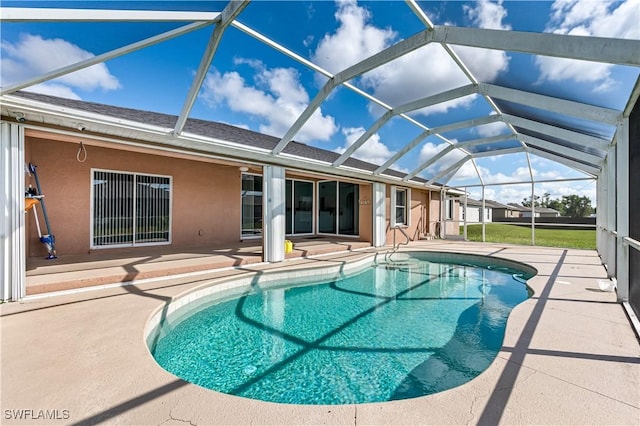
19	117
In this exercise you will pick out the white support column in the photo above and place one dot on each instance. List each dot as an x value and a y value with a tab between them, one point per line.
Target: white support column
274	219
379	214
12	222
533	213
443	214
612	214
600	209
622	209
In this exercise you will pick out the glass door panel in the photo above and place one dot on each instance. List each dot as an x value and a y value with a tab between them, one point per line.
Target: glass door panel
348	208
289	207
327	198
303	207
251	194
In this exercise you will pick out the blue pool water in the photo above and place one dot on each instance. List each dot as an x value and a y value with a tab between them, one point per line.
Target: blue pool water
387	333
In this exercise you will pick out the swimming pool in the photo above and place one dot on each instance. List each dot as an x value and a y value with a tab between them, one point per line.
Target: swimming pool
385	331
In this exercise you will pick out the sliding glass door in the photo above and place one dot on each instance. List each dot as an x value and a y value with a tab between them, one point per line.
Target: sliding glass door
338	208
348	208
299	207
327	207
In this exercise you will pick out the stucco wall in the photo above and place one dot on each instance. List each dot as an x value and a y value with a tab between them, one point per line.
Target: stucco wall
420	213
473	214
453	225
366	213
434	208
206	197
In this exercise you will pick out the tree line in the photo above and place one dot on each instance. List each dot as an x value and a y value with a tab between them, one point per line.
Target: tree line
569	205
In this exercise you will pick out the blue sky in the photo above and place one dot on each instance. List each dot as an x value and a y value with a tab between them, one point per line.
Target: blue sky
253	86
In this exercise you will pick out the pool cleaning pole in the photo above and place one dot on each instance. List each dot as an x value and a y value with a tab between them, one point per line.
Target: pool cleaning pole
48	240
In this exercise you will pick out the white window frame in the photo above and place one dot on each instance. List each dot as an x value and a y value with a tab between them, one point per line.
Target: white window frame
92	246
407	206
249	236
313	206
449	208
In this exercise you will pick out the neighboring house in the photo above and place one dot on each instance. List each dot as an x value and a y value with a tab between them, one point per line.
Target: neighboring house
139	187
523	211
504	211
538	211
546	212
473	211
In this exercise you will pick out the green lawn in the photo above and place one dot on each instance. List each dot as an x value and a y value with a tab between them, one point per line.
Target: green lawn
513	234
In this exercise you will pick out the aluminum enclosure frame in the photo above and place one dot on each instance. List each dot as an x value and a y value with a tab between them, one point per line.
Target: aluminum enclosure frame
594	157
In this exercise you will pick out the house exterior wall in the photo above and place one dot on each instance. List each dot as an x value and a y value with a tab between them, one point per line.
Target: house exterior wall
435	214
474	214
488	215
421	210
549	214
453	225
202	194
499	213
206	203
366	212
540	214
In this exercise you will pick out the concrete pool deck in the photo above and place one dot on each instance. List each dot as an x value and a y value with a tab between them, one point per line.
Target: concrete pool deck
569	356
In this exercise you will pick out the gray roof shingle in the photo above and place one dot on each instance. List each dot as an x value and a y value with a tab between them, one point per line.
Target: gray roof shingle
210	129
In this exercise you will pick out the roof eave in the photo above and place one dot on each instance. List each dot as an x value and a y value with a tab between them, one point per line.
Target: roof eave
44	116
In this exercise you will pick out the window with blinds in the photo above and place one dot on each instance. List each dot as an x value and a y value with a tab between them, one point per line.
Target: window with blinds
130	209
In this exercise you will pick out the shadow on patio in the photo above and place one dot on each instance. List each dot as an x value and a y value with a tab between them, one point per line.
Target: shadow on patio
119	266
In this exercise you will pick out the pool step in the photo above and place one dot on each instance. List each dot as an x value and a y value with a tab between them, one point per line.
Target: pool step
400	260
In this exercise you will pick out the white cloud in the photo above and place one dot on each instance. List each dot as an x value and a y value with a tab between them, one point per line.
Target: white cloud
277	99
33	55
491	129
485	64
487	15
467	171
490	177
604	18
373	150
544	170
517	193
353	41
58	90
429	150
424	72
